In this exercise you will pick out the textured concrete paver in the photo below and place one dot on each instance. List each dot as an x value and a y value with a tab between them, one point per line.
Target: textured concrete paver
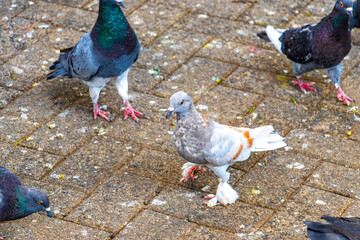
121	179
153	225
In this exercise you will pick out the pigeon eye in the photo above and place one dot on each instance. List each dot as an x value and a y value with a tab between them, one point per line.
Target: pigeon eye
341	4
181	102
40	203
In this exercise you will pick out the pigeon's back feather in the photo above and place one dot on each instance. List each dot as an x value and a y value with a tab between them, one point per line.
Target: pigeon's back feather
8	183
297	44
336	228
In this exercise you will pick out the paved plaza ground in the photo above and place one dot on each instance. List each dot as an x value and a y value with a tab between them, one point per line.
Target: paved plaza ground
120	179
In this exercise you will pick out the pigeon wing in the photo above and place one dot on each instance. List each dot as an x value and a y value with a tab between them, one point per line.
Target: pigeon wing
297	44
349	227
81	59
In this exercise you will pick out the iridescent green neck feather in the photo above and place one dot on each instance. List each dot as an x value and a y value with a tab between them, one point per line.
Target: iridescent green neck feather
111	26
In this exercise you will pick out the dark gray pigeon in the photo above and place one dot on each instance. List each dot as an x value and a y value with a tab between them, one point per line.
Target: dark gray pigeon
336	228
320	46
107	51
203	142
18	201
355	20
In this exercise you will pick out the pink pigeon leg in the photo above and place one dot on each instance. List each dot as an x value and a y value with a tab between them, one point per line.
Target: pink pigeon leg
304	86
131	110
192	173
342	96
101	113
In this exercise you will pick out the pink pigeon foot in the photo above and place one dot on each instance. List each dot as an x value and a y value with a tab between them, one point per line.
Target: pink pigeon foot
101	113
342	97
304	86
212	200
131	110
192	173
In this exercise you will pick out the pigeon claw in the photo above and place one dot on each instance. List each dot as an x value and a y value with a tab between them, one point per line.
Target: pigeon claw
342	97
212	200
131	110
305	86
101	113
192	173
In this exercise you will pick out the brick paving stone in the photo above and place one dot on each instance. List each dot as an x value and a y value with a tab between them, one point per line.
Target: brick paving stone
195	77
152	19
154	108
275	178
185	203
148	133
141	80
38	226
308	204
273	12
324	146
27	162
236	102
92	163
46	99
229	9
7	95
355	135
151	164
70	3
130	6
273	85
171	50
18	33
319	8
246	56
10	8
62	200
15	128
112	205
153	225
61	15
67	131
224	28
27	69
353	210
61	38
303	19
337	179
210	233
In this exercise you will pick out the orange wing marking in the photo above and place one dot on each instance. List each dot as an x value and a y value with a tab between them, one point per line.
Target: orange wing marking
206	120
249	141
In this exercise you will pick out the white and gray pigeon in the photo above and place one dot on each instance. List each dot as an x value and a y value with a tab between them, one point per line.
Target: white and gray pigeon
18	201
317	46
204	142
108	50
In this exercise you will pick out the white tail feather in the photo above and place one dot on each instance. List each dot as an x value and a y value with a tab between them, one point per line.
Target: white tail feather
274	36
264	140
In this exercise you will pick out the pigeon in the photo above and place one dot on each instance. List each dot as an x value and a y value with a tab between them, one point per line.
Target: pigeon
336	228
18	201
317	46
204	142
355	19
107	51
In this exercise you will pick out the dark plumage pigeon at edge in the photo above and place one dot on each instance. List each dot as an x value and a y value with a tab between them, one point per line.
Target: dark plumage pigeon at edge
107	51
18	201
320	46
355	20
336	228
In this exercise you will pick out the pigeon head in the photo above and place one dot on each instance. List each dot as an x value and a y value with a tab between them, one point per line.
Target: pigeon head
115	2
344	6
35	201
180	103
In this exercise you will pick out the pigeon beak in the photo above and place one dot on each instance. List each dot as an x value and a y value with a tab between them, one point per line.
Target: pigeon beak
349	10
169	112
121	3
48	212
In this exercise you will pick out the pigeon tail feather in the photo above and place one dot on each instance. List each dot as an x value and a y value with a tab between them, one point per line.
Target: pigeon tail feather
274	36
58	66
264	140
263	35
